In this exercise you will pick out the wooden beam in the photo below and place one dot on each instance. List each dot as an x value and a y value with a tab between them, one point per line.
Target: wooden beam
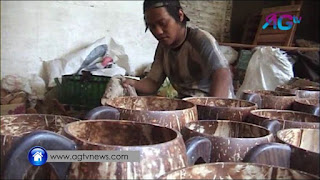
290	8
287	48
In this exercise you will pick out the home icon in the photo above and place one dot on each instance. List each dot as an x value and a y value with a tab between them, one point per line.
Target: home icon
37	156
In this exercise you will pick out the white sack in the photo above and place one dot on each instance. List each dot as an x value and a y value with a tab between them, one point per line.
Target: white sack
267	68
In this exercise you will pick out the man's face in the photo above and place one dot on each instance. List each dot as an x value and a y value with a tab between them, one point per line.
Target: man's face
162	25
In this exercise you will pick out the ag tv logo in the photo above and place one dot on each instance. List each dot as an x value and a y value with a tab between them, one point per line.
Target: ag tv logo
272	19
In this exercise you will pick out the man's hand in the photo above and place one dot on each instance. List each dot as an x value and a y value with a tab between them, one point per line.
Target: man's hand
128	82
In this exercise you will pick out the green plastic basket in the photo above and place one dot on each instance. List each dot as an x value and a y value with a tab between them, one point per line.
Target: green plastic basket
81	90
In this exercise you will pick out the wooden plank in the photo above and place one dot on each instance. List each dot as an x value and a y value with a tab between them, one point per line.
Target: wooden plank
250	46
293	31
269	38
290	8
270	30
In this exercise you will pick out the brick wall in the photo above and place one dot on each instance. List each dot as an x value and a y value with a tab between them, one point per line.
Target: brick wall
212	16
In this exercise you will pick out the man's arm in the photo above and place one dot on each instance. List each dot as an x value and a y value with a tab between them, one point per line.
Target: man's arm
220	84
144	86
154	79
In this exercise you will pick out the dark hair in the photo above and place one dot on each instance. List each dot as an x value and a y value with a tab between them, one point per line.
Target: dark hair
172	6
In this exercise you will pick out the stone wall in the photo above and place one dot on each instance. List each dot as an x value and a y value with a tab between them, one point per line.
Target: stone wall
212	16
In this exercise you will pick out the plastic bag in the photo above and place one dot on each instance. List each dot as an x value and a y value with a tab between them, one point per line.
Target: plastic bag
34	87
70	63
267	68
38	87
15	83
